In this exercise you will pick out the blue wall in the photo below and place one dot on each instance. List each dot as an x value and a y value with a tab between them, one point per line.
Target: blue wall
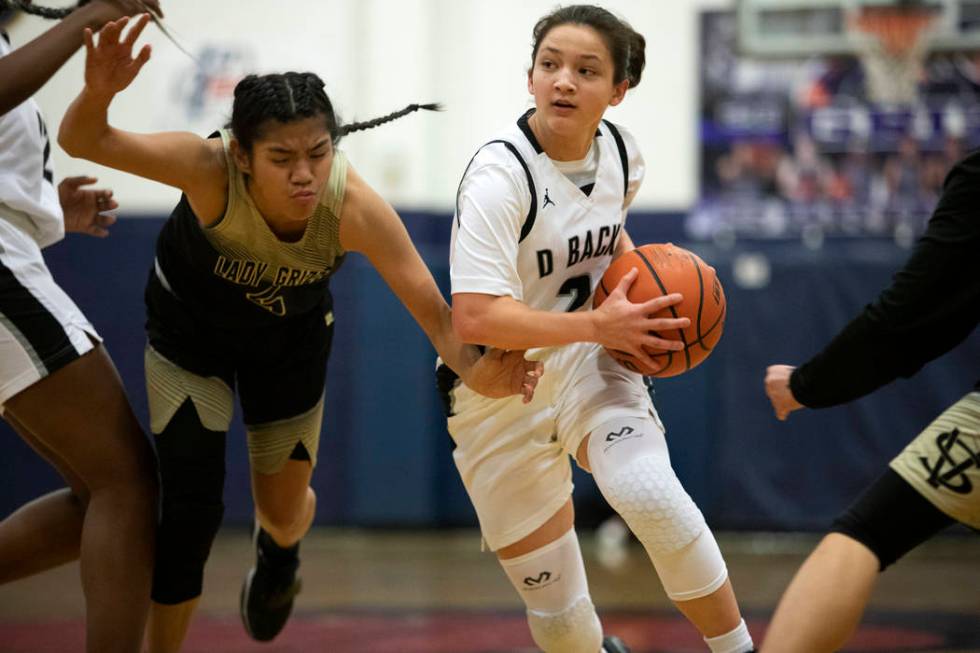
385	455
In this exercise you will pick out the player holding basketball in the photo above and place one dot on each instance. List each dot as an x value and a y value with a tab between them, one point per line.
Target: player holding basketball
238	294
931	306
58	387
539	217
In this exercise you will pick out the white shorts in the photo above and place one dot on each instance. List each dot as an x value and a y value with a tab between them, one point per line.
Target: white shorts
513	457
41	329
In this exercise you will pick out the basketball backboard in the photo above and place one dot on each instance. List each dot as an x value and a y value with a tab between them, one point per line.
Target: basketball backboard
801	28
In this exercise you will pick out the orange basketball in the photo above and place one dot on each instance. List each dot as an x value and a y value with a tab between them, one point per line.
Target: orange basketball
666	269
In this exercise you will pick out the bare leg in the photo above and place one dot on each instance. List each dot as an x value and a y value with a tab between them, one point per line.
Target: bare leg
551	530
41	535
47	532
168	624
715	614
80	412
823	604
284	502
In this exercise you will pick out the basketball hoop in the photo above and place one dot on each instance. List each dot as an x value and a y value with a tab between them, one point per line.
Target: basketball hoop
894	46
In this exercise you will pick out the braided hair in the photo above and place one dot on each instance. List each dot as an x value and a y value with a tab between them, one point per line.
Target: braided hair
626	45
286	97
44	12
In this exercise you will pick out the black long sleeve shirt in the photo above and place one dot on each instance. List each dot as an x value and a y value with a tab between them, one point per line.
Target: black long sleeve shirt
932	305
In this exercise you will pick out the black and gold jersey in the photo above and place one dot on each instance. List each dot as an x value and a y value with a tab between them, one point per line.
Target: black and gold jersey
236	273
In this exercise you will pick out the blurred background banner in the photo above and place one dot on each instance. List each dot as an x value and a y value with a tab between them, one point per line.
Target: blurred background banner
774	164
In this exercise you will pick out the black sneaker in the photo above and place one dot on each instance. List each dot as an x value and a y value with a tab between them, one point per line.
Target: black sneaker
613	644
269	588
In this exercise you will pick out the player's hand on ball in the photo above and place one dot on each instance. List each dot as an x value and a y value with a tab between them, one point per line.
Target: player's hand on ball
778	390
628	327
500	373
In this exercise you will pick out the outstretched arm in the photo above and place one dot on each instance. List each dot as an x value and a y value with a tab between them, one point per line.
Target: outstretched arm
370	226
180	159
27	69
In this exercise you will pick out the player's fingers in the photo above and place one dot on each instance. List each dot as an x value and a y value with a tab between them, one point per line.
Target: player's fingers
137	29
109	34
656	342
78	181
626	281
646	359
87	38
657	304
667	323
141	60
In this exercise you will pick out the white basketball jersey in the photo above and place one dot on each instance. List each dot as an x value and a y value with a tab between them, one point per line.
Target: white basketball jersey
28	196
523	229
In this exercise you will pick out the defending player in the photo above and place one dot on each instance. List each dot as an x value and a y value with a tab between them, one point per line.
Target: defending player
238	297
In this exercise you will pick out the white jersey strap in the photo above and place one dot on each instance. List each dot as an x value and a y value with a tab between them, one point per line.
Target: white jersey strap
621	146
533	211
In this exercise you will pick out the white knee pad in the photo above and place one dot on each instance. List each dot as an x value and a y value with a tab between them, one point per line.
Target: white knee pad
551	581
631	466
573	630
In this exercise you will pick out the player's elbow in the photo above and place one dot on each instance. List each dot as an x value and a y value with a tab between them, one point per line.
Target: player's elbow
467	328
71	140
79	142
469	321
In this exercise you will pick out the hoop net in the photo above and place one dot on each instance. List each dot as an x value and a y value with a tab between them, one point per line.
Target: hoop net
893	51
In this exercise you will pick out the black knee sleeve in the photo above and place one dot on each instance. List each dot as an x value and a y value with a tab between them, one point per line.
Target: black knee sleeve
192	475
891	519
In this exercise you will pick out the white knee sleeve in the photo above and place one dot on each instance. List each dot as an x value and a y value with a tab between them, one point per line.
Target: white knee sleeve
551	581
631	466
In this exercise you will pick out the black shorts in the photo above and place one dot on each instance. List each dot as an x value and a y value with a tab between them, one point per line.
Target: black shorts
279	370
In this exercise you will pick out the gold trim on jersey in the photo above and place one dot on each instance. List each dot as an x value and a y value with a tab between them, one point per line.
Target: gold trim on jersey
168	386
271	444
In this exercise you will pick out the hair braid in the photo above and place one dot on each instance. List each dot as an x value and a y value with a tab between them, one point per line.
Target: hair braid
369	124
44	12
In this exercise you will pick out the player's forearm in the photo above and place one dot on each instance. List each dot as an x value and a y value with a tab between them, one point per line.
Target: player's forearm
28	68
506	323
455	353
85	127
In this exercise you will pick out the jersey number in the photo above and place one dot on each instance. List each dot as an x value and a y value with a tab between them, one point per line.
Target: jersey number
46	166
270	300
579	288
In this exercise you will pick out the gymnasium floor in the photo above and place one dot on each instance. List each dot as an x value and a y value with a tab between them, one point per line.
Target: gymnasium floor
434	592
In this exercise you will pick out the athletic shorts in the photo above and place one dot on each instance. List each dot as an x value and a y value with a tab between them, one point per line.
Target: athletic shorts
513	457
943	462
279	372
41	328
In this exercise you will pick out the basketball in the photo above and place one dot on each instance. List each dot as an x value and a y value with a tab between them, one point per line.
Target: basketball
665	269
